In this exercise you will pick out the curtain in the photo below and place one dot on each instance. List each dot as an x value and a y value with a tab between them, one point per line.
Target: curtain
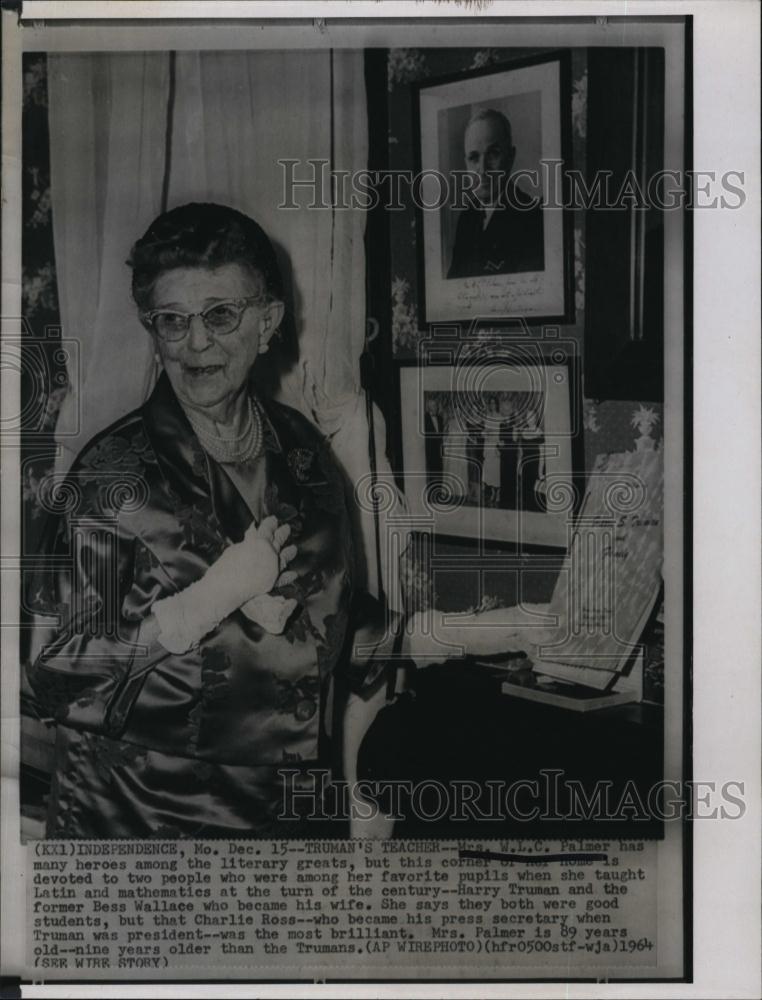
129	132
237	115
107	137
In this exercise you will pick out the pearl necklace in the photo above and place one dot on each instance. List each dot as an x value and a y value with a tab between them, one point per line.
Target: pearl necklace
233	450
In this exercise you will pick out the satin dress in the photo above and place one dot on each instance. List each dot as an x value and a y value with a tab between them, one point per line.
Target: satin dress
151	744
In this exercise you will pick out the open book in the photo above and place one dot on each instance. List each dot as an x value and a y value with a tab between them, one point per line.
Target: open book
611	576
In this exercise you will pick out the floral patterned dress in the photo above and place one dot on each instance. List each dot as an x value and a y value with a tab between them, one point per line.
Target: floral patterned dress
154	744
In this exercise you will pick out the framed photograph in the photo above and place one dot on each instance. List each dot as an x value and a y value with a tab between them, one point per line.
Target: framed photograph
494	237
489	449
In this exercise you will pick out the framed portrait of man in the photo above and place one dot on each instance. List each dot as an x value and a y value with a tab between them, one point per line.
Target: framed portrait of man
493	224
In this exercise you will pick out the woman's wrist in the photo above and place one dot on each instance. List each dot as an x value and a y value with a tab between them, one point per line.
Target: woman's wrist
185	618
244	572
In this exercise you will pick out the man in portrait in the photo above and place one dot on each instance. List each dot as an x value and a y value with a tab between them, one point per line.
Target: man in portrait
475	456
433	426
501	231
509	455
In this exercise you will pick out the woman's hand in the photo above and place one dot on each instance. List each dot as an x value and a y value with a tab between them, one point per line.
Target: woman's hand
247	569
251	567
271	611
266	547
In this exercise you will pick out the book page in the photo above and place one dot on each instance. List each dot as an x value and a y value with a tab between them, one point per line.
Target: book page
611	578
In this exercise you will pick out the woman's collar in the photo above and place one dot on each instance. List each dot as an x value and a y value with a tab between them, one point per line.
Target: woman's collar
176	446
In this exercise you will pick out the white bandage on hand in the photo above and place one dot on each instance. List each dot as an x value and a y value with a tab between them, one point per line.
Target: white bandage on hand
245	570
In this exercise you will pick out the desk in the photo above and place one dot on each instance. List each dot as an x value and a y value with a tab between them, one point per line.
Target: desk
459	727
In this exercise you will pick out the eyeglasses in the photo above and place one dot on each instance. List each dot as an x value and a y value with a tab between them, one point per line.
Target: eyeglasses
219	320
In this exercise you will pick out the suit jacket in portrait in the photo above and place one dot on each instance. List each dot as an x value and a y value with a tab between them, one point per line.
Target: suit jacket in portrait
511	242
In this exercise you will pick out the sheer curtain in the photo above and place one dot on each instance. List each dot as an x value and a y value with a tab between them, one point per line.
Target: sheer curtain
107	123
236	115
131	134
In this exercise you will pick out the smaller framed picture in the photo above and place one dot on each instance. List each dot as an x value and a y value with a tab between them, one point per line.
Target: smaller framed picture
490	450
494	235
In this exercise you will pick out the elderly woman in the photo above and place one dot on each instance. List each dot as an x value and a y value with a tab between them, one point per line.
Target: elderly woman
204	582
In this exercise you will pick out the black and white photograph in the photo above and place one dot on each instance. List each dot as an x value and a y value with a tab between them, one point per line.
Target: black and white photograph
356	368
498	444
493	459
501	231
493	148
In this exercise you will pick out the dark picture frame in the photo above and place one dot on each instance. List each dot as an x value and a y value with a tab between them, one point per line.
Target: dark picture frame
517	261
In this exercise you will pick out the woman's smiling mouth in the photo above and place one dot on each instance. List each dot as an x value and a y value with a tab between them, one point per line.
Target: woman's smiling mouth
199	371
